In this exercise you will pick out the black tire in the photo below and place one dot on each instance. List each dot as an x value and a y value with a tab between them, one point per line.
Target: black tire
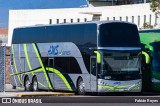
146	76
35	84
26	84
80	87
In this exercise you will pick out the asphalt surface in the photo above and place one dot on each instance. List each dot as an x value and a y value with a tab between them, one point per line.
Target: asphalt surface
104	99
13	92
84	104
113	99
86	99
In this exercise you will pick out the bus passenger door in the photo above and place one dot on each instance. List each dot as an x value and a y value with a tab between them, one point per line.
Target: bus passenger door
93	72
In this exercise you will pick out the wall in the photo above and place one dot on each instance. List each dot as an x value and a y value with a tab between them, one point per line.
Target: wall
7	81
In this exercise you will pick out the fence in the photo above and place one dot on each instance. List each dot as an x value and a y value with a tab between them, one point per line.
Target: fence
2	68
139	20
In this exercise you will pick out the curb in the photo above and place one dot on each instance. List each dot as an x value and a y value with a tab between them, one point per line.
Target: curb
40	94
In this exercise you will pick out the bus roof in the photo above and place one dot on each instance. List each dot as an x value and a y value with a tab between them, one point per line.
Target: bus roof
66	32
76	23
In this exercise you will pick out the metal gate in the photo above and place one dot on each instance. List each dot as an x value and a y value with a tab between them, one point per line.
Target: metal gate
2	68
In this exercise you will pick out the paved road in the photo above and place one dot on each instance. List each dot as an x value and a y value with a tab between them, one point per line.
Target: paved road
84	104
88	99
102	99
148	98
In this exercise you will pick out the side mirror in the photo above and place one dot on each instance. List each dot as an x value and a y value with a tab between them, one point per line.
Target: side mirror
98	60
98	57
147	57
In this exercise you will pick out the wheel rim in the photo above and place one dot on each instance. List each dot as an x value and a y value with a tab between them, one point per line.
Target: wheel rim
27	85
81	86
35	86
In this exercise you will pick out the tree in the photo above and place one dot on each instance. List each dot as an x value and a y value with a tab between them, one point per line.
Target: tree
155	7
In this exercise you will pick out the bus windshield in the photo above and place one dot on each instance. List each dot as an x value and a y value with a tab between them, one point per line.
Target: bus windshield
121	66
156	56
118	35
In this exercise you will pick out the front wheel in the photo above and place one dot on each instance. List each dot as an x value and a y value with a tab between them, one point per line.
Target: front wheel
35	84
80	87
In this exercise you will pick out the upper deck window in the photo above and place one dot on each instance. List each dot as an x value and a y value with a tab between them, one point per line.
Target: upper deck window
118	35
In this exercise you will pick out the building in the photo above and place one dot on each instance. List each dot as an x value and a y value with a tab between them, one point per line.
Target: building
3	36
135	13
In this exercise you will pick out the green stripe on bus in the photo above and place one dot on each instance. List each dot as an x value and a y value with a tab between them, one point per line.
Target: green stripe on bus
40	61
41	84
15	66
108	87
61	76
26	55
34	71
112	88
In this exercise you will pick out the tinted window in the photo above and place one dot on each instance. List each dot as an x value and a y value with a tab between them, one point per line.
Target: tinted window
86	59
76	33
62	63
51	62
67	64
93	66
118	35
45	61
74	66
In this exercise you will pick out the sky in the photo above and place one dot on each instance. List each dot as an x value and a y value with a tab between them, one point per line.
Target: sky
6	5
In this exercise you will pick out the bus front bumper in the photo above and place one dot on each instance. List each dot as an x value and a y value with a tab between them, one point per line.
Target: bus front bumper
119	86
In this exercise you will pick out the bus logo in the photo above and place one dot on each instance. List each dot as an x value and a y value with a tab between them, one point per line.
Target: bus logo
56	50
53	50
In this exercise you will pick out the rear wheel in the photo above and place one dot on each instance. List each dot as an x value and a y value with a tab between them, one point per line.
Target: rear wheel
80	87
35	84
26	84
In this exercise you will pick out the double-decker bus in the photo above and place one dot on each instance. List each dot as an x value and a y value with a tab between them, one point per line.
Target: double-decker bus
103	56
150	40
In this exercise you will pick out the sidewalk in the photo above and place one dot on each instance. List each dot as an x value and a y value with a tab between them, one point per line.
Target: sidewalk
33	94
8	94
19	92
8	88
